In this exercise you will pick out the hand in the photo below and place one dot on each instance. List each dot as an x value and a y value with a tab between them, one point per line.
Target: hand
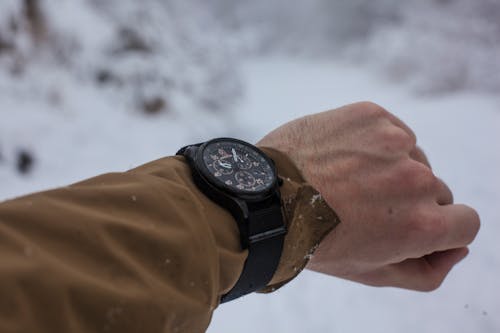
399	226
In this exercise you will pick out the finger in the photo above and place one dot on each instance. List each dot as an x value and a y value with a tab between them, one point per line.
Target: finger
429	272
443	261
444	194
461	225
418	155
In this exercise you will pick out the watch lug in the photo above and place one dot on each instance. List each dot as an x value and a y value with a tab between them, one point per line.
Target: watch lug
243	206
189	151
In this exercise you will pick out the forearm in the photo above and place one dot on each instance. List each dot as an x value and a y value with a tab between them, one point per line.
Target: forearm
109	254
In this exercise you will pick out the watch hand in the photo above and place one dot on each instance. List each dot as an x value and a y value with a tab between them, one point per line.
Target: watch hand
225	165
235	157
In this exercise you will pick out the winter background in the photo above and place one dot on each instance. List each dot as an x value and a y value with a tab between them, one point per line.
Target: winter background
90	86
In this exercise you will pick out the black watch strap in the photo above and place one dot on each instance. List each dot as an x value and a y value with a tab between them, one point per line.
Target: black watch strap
266	235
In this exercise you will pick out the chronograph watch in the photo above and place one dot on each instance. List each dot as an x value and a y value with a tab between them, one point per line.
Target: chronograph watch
242	179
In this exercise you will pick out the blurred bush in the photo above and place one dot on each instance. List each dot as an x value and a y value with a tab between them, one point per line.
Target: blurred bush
438	46
145	51
139	51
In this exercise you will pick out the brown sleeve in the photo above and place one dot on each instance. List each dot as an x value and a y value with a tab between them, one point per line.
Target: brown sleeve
139	251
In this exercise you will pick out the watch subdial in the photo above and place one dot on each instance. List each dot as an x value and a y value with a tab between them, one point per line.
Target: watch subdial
223	166
245	179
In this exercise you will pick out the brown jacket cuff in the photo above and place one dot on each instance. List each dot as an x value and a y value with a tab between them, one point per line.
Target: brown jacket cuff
307	216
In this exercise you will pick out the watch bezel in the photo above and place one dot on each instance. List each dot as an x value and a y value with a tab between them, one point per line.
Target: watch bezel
244	194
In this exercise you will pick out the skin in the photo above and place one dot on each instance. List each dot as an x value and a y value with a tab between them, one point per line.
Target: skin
399	226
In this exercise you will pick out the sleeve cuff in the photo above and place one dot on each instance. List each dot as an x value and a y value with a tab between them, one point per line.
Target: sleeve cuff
307	216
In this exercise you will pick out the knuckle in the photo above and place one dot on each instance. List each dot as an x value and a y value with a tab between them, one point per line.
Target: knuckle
424	177
444	191
370	108
396	139
437	226
409	140
416	177
432	226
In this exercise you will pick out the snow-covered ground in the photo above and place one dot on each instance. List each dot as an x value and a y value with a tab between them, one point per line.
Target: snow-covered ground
84	135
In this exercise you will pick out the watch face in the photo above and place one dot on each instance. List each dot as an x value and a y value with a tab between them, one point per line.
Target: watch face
238	167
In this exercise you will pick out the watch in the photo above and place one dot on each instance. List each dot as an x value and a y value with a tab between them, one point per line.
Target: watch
241	178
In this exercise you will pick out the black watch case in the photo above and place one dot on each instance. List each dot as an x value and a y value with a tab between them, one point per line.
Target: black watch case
237	176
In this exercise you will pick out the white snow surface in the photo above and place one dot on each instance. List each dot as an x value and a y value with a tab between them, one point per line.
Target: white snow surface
87	135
